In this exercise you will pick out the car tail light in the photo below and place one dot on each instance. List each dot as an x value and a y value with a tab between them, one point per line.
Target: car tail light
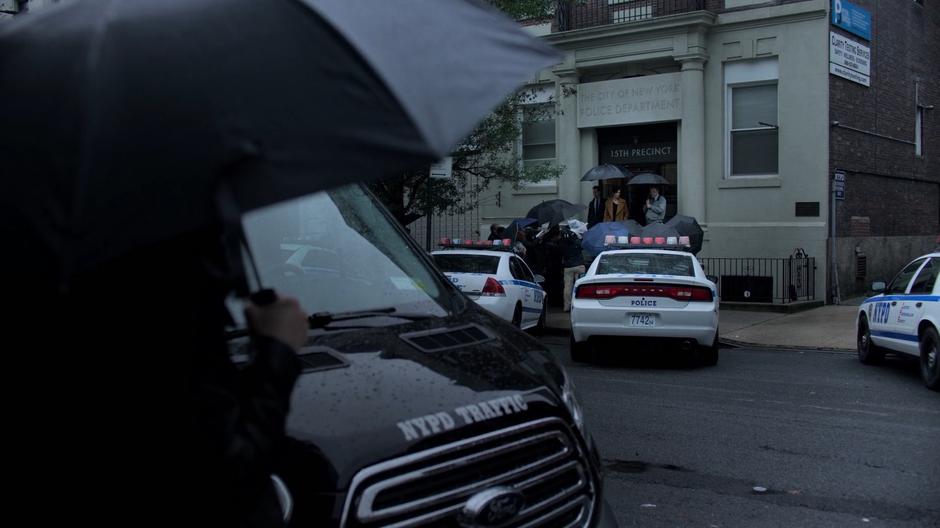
691	293
493	288
610	291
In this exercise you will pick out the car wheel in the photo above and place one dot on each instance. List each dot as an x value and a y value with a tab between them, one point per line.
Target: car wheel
868	352
580	352
517	316
710	354
930	358
540	327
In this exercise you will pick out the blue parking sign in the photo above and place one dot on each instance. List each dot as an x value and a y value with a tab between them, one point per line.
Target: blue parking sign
851	18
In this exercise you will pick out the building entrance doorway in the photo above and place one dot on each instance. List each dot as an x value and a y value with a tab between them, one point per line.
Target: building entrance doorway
639	149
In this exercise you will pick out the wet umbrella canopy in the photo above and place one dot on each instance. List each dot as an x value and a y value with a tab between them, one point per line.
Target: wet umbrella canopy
688	226
594	240
138	111
512	230
648	178
605	172
554	211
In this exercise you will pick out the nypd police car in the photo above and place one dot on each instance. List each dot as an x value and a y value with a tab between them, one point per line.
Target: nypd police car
646	291
904	318
495	278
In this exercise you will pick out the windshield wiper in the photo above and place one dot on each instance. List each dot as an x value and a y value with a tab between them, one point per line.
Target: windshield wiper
323	319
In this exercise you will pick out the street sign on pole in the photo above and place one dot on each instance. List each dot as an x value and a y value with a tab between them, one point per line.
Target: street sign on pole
838	185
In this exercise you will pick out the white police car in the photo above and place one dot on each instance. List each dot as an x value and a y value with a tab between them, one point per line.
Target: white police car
643	292
496	278
905	318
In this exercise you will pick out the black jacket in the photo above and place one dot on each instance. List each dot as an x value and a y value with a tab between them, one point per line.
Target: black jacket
568	246
595	212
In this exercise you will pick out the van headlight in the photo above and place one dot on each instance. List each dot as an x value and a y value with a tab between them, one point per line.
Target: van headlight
571	403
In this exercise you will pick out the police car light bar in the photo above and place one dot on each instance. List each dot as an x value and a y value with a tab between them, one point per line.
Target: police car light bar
489	245
681	243
684	249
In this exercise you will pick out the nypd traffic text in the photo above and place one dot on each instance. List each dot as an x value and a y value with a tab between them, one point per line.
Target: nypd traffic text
431	424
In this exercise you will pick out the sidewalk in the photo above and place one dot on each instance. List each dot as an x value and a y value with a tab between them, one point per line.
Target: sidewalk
828	327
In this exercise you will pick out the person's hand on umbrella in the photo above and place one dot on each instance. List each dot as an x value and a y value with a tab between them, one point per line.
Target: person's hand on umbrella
282	320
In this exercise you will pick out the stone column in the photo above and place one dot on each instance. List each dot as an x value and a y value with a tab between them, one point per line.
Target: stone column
588	160
567	136
692	139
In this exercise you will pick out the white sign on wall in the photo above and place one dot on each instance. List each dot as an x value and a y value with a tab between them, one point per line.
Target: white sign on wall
442	169
849	59
645	99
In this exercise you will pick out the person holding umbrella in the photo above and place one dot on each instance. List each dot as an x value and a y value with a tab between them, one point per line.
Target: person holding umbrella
655	207
595	208
115	222
616	208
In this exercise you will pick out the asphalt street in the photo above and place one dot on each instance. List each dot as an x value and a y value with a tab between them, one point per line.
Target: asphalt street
766	438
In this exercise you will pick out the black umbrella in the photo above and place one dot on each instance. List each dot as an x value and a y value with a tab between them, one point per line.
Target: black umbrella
512	230
648	178
122	119
554	211
606	172
659	229
633	227
688	226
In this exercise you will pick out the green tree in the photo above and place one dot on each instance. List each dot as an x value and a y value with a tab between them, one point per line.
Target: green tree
525	9
488	157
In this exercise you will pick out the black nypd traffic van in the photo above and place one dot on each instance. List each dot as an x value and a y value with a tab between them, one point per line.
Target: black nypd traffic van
416	407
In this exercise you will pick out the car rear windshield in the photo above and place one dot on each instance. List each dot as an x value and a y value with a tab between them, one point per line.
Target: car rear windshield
468	263
646	263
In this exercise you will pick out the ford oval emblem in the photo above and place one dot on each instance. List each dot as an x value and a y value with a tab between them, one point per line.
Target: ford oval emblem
492	507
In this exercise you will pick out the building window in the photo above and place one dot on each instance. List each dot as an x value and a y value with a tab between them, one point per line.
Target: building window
919	132
538	138
632	10
753	130
751	133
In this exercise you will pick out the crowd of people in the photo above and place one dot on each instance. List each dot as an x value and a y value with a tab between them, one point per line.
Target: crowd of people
615	208
555	251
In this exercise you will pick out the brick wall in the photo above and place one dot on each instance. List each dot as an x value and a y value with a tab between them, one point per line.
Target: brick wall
899	192
892	206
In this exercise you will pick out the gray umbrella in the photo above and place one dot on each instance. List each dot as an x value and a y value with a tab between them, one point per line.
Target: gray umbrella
142	111
648	178
606	172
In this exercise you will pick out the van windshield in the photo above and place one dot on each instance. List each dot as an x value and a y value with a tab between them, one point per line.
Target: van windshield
336	251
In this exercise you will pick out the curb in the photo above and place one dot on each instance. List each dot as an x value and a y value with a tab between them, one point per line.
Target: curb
744	344
562	332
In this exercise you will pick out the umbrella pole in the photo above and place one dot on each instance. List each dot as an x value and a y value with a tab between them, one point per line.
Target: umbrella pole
231	220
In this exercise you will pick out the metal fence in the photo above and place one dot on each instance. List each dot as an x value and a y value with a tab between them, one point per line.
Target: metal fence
576	14
763	280
466	225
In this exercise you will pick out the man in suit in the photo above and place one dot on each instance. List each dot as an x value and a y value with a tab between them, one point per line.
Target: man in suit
595	209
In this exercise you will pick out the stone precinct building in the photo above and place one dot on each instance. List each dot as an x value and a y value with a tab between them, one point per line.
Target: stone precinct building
734	104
